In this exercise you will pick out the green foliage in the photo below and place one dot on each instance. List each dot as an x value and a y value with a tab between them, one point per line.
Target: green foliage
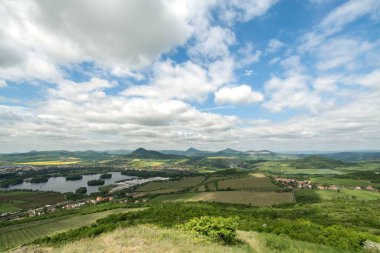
317	162
8	179
81	190
95	182
40	179
74	196
74	177
216	229
106	176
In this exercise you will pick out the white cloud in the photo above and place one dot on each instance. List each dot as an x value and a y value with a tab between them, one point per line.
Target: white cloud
187	81
349	12
337	19
213	44
238	95
326	83
81	92
275	45
244	10
341	52
291	92
122	34
352	125
3	83
293	64
248	55
370	80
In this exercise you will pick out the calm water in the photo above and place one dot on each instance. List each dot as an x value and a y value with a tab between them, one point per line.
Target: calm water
59	184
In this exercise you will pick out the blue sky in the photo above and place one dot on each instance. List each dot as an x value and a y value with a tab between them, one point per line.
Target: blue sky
246	74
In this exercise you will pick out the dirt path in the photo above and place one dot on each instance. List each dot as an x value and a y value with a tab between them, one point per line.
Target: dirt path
252	240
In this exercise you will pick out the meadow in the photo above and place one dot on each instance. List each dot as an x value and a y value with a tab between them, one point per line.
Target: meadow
144	238
235	197
343	225
342	181
18	234
11	201
46	163
310	195
251	183
175	185
278	167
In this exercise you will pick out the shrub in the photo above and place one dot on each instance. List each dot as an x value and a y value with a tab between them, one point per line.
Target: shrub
81	190
95	182
216	229
74	177
106	176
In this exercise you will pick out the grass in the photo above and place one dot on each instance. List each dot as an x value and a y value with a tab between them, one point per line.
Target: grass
173	197
144	238
149	238
237	197
318	195
342	181
16	200
15	235
283	167
42	163
248	183
175	185
262	243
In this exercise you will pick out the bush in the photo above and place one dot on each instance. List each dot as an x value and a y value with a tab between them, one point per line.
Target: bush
41	179
74	177
106	176
216	229
95	182
81	190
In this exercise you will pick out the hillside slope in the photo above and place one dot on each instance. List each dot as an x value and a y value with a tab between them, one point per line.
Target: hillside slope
146	238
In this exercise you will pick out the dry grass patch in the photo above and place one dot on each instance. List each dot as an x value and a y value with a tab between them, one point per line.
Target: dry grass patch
243	197
248	183
180	184
142	238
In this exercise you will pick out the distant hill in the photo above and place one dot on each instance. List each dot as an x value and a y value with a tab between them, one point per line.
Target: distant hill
353	156
196	152
260	152
144	153
317	162
58	155
118	152
230	152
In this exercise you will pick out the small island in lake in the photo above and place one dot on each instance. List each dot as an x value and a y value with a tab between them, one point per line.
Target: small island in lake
74	177
95	182
106	176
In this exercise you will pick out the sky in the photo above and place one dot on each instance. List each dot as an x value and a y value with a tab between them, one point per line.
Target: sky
283	75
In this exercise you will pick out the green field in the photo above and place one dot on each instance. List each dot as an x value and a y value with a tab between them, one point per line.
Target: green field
262	242
289	167
14	235
326	195
236	197
148	238
342	181
171	185
11	201
248	183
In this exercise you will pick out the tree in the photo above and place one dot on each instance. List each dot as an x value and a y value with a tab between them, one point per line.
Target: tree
81	190
217	229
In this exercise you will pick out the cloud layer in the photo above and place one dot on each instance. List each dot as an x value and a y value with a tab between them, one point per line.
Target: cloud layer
173	74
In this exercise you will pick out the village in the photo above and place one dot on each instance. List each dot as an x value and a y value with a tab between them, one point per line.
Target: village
292	183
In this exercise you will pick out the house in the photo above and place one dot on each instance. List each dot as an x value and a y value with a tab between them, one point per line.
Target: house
358	188
333	188
370	188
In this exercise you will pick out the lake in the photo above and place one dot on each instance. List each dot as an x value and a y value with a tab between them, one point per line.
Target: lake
59	184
